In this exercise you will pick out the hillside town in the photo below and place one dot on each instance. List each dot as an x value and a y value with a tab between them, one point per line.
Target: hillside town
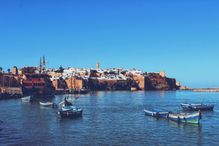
41	81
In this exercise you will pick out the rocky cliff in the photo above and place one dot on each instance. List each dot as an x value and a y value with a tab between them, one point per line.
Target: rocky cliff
157	82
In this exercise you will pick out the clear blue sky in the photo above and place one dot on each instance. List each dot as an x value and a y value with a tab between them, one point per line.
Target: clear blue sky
180	37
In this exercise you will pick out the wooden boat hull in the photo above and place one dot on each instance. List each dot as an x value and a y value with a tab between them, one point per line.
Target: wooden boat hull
197	107
157	114
186	118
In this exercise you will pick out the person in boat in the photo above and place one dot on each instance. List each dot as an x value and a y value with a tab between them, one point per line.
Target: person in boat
200	114
67	103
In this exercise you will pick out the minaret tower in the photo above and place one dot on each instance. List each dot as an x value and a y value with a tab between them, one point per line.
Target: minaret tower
40	65
97	65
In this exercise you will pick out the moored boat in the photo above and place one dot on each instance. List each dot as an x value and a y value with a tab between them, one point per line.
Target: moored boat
134	89
46	103
158	113
83	91
70	112
26	99
197	107
193	118
67	110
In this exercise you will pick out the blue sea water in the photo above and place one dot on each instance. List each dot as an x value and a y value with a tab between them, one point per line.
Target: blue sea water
109	118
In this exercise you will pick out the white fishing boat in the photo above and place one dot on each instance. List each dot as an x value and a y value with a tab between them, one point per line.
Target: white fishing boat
46	103
26	99
193	118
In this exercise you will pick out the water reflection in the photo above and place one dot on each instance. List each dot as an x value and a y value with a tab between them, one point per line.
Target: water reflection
183	126
160	94
193	131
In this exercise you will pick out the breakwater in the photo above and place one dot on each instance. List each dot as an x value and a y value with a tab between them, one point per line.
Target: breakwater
206	90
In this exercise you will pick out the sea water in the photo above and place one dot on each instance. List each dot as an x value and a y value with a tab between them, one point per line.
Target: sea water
109	118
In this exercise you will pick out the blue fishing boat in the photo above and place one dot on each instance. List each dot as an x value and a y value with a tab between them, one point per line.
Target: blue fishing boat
193	118
197	107
158	113
69	111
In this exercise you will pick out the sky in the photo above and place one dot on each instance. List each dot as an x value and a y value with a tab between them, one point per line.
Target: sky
180	37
